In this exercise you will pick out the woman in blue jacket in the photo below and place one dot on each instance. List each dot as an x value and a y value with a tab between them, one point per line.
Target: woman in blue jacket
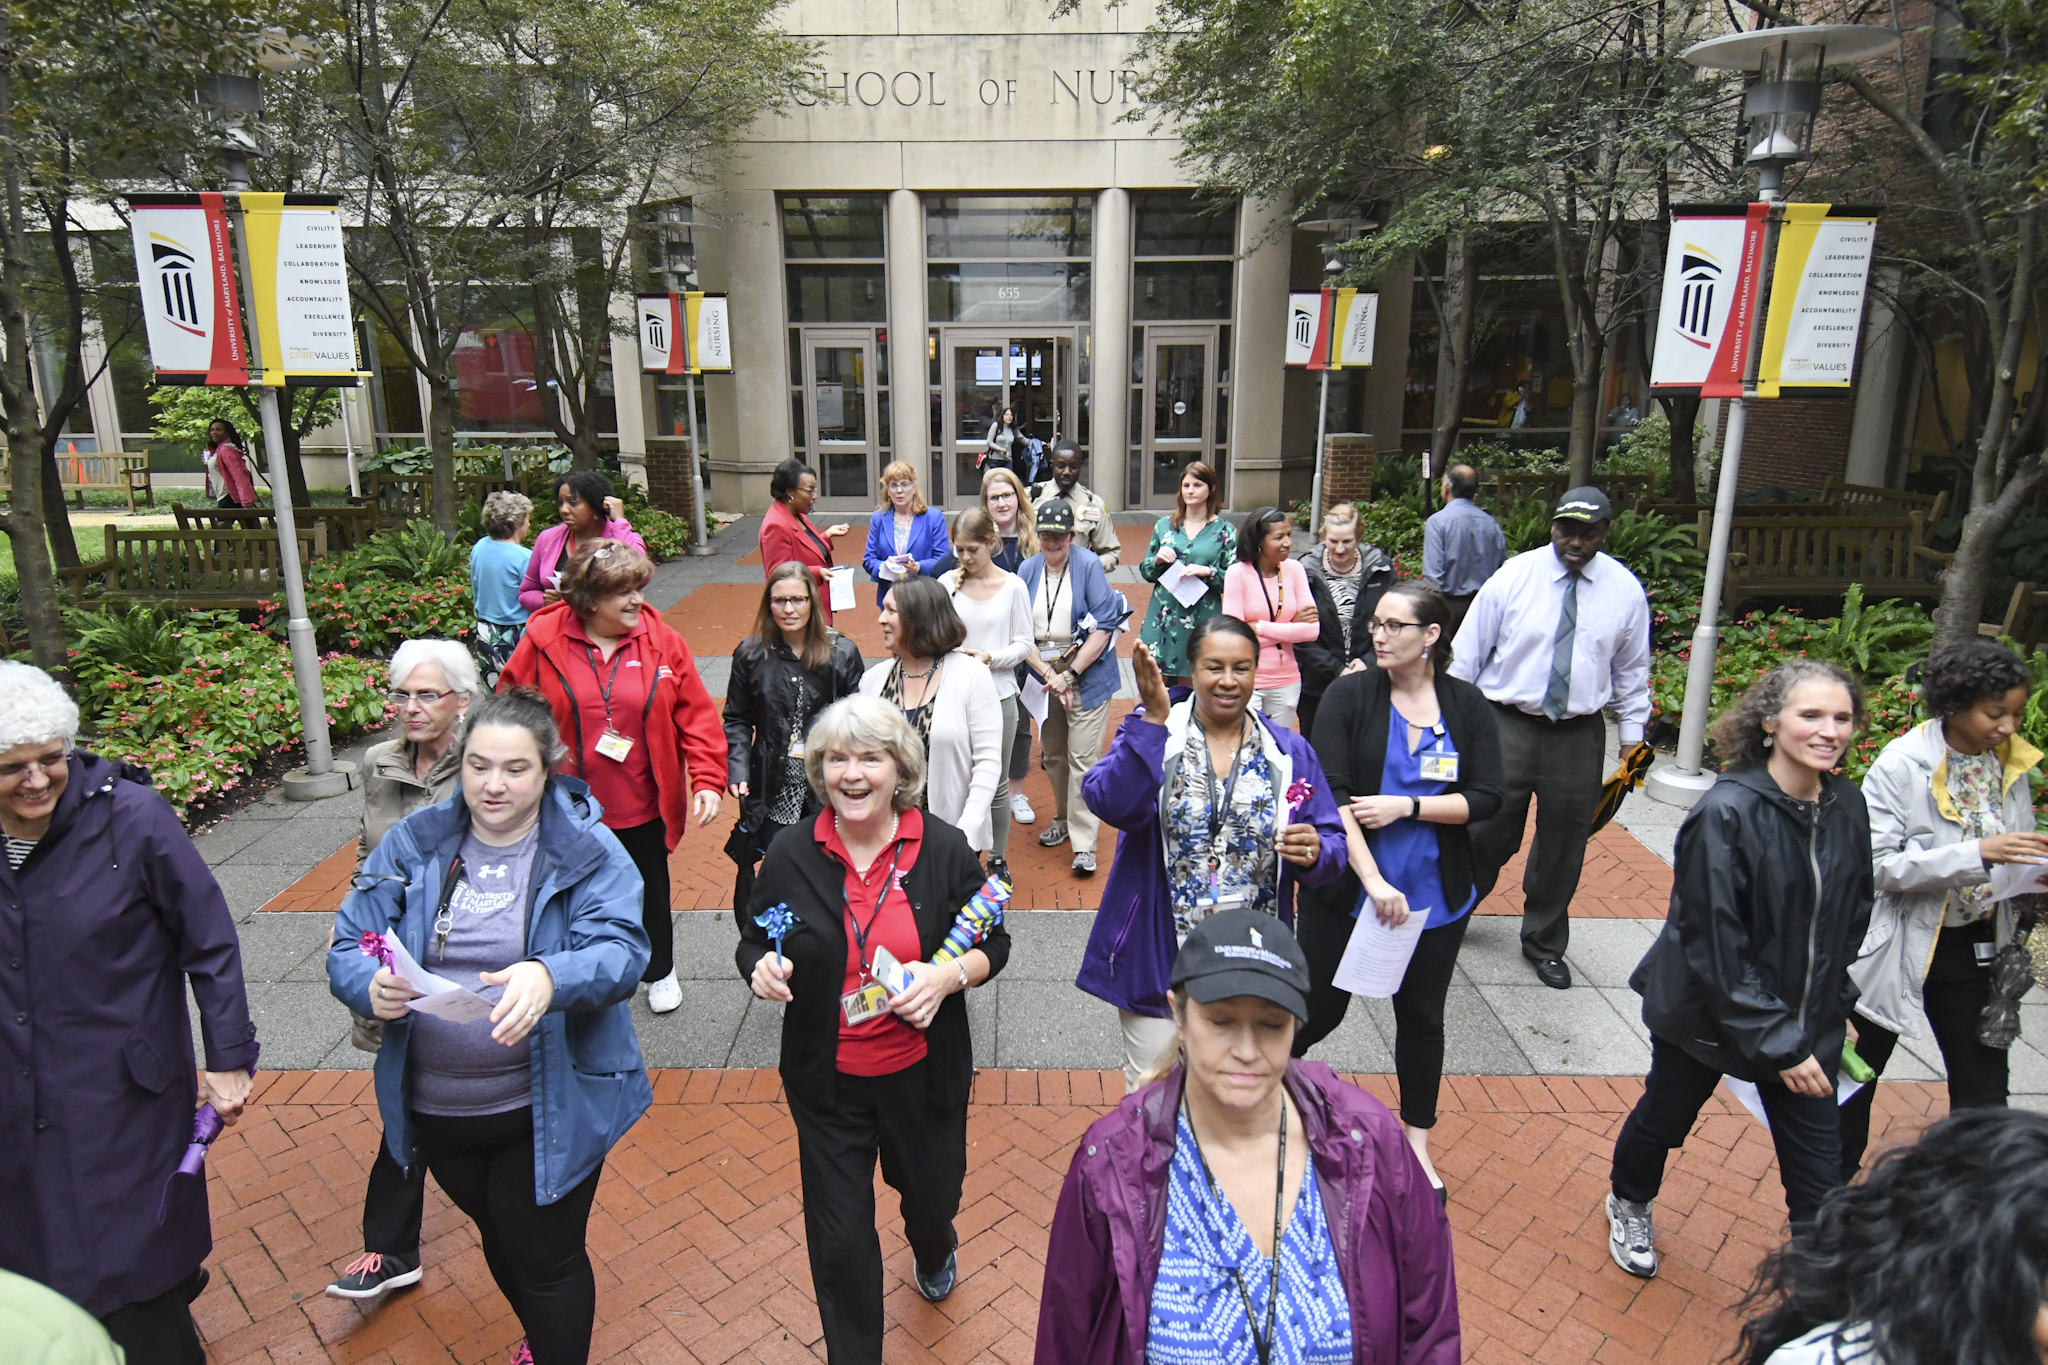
1218	807
512	889
905	536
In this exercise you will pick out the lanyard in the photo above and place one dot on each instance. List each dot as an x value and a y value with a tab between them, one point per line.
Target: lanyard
605	685
1280	582
1219	812
1262	1344
861	932
1052	600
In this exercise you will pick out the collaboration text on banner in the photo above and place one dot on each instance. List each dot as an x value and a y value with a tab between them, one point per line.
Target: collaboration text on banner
186	266
1816	310
298	274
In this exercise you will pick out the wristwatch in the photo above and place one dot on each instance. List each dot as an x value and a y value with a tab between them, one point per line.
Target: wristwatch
1414	808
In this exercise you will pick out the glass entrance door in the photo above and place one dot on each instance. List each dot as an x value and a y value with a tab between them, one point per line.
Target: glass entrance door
1177	415
841	417
1032	376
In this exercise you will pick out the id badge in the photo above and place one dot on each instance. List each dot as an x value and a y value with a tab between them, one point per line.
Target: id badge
796	747
895	978
1439	766
614	745
1985	952
869	1002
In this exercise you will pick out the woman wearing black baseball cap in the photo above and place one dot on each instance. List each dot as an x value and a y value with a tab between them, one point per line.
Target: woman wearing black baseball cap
1238	1159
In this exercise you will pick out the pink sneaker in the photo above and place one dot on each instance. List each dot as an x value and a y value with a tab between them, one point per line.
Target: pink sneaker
522	1354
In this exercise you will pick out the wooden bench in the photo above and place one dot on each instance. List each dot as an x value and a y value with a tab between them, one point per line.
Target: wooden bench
347	527
1510	487
1690	511
1822	556
234	569
503	465
1868	500
2026	614
400	498
79	474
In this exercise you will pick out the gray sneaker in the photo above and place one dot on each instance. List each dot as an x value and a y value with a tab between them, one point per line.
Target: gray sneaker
1084	864
1630	1238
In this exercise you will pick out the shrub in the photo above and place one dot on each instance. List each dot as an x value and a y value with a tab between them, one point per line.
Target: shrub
413	553
365	613
1396	527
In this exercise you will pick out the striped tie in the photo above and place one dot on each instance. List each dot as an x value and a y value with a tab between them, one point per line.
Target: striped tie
1557	697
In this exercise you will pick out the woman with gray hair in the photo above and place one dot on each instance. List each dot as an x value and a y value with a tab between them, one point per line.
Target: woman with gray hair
871	1063
107	911
433	683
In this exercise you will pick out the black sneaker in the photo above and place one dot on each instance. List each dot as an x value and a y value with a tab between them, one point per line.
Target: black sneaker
937	1285
369	1275
999	868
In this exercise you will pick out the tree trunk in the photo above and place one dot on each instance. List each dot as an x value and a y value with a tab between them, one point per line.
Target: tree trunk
1454	349
1586	410
1683	412
1963	583
56	516
441	436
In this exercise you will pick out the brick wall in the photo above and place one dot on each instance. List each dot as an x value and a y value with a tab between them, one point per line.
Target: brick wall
670	486
1347	468
1795	442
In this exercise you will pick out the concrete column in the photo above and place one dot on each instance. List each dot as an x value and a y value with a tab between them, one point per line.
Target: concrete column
741	252
910	418
1387	386
1109	369
1258	371
1878	369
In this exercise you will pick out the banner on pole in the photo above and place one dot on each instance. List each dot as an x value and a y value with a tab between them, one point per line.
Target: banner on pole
662	347
1704	286
1351	331
186	266
1816	308
298	273
685	333
1308	329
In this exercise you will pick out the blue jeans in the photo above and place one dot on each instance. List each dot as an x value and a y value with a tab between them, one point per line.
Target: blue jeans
1806	1129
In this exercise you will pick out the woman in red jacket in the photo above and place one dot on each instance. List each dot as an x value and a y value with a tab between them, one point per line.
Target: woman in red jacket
787	533
640	727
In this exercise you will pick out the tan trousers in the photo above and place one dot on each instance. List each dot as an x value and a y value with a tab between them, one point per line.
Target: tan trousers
1072	742
1146	1040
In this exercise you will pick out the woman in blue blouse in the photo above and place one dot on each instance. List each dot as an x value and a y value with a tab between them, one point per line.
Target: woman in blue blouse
1413	758
905	536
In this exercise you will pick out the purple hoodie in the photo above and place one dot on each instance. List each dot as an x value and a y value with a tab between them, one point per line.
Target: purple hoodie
1129	960
1391	1238
544	563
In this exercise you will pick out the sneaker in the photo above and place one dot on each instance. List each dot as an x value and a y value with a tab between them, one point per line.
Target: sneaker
999	868
665	994
1630	1238
937	1285
1084	864
522	1354
1020	809
370	1275
1055	834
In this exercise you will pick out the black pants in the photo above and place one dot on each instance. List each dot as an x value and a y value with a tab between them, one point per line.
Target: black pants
924	1159
1322	931
159	1331
1955	993
392	1206
1804	1128
749	871
1558	764
647	846
1460	604
535	1251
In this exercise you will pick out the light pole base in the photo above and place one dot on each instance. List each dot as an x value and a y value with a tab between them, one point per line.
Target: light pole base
300	785
1676	788
700	551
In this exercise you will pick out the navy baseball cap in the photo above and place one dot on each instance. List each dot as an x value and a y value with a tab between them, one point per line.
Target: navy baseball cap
1056	518
1244	952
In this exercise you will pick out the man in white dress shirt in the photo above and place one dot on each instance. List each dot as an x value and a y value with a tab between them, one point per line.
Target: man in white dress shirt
1552	639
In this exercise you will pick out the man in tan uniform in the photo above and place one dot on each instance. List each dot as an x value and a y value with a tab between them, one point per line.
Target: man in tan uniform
1092	527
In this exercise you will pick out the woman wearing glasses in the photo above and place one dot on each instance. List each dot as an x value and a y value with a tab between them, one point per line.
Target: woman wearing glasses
905	536
433	683
1413	758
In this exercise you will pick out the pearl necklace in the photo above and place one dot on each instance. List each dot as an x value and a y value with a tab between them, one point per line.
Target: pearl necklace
839	828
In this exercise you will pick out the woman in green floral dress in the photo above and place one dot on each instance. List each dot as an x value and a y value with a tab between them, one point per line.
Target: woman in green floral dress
1196	533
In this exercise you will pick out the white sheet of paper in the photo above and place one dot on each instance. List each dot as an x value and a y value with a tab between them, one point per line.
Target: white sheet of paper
1035	698
1187	589
1376	957
2018	879
1753	1098
406	968
439	996
842	588
890	571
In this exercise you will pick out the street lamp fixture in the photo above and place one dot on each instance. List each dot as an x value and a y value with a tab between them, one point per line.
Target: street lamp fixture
1337	228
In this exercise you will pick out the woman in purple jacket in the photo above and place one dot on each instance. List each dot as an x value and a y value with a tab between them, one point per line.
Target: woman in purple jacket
589	514
1244	1208
1218	807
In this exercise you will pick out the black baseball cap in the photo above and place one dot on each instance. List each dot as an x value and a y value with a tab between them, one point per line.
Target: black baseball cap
1057	517
1583	504
1244	952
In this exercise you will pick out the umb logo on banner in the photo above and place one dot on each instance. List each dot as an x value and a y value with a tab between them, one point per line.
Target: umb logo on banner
1702	267
1308	325
661	334
189	306
685	333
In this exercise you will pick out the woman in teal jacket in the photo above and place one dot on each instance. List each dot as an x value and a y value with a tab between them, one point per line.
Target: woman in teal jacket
512	889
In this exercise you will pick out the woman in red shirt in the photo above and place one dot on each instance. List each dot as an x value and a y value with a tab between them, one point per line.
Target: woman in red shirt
867	1070
787	532
230	461
641	729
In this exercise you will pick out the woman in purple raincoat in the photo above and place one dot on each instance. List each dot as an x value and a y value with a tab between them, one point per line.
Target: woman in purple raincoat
106	911
1218	807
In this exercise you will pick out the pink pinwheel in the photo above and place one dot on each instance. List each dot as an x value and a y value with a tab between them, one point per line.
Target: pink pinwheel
374	945
1298	795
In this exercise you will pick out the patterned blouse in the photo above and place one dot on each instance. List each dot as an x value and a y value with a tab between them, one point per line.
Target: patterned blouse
1198	1316
1250	866
1976	788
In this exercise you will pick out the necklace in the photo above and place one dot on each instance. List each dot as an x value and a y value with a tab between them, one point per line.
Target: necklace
839	828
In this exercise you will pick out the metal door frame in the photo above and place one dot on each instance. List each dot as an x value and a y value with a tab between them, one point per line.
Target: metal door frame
1207	335
848	338
1065	397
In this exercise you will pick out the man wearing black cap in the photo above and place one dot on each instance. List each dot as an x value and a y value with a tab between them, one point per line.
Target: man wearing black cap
1554	638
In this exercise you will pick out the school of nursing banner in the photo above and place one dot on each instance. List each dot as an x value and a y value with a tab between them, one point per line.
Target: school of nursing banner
1709	301
1308	329
186	265
299	276
685	333
1355	318
1816	312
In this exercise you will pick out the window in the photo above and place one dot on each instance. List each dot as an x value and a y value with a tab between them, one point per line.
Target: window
1183	274
1182	247
841	229
835	262
1003	259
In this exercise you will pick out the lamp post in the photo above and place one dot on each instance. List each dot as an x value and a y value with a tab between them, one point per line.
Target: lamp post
1333	266
1780	108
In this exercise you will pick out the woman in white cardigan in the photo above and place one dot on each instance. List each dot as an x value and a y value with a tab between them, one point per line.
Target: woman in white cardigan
950	700
996	611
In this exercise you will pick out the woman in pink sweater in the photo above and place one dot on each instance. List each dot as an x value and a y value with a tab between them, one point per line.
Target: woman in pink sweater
1268	589
589	513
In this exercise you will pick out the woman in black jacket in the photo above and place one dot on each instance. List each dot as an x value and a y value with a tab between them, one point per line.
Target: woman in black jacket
791	668
1750	977
870	1063
1406	807
1345	580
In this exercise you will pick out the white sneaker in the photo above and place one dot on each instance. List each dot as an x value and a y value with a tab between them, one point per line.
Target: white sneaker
665	994
1630	1238
1020	809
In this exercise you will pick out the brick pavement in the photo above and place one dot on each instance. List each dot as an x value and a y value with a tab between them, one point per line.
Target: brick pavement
698	1239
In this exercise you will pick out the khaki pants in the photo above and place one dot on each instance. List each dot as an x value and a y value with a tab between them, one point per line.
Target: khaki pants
1072	741
1146	1040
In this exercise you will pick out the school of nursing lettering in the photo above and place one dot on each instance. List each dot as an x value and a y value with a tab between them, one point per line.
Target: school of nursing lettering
874	88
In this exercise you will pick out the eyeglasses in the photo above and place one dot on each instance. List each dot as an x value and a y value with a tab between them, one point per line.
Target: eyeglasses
1393	628
788	603
905	485
10	772
399	699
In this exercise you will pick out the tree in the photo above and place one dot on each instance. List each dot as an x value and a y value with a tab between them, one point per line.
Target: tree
185	411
